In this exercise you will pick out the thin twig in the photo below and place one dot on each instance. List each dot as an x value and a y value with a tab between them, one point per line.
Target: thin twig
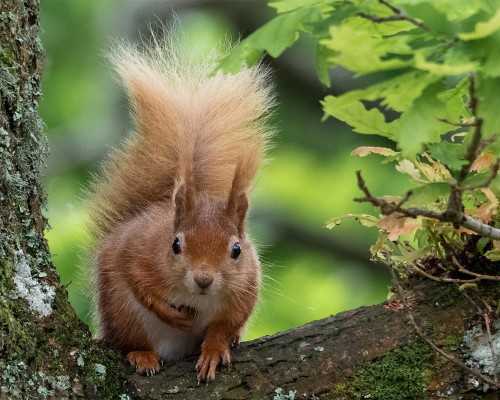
426	274
430	342
463	270
418	267
452	215
399	15
394	9
475	143
479	276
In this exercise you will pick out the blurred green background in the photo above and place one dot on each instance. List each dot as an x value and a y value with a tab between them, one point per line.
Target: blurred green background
310	272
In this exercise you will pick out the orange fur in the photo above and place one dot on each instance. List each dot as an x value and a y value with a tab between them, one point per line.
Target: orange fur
184	176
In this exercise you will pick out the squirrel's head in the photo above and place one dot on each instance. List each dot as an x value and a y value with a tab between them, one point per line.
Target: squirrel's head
209	245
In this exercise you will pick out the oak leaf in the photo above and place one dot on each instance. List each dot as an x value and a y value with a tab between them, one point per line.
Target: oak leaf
396	226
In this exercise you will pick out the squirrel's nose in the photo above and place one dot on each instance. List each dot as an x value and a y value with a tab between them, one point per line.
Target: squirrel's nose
203	280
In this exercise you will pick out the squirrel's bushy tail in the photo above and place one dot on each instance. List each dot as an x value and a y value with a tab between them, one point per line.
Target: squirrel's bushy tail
190	124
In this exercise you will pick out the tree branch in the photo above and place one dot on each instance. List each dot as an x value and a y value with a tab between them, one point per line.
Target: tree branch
452	215
324	355
480	228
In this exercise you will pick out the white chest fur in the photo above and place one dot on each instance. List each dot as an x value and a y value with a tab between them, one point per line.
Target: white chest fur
172	343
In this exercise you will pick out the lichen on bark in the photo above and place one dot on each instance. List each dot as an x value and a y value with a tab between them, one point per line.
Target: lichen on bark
41	338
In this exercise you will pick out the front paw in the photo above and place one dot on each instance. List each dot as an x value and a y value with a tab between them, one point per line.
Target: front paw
208	362
145	362
182	317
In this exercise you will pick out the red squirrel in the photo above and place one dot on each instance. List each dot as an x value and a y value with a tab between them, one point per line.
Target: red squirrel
175	270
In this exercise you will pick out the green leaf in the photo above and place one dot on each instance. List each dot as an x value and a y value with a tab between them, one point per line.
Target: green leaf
410	256
453	9
489	106
420	123
323	64
455	99
432	17
449	154
274	37
491	64
399	92
427	195
483	29
284	6
363	50
320	29
482	243
243	54
364	219
493	255
380	245
282	31
353	112
443	69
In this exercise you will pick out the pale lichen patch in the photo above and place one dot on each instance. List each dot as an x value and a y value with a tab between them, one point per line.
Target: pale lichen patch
37	293
477	349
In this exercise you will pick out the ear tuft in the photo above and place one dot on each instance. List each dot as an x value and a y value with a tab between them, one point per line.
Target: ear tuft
238	202
237	208
183	202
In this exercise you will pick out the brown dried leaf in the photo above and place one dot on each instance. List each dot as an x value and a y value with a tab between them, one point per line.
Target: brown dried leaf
483	162
407	167
394	304
363	151
485	212
395	227
436	172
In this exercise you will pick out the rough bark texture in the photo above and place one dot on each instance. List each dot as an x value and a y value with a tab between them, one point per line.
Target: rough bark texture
45	351
372	352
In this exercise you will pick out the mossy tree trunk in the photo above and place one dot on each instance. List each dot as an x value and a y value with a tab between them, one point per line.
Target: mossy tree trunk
46	352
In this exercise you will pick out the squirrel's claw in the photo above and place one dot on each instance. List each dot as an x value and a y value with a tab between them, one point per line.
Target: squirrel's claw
145	362
207	365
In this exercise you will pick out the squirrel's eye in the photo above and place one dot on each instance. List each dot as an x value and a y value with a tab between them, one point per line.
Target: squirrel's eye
176	246
235	252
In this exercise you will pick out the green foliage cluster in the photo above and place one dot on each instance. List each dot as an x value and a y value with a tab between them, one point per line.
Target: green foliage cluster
420	51
434	78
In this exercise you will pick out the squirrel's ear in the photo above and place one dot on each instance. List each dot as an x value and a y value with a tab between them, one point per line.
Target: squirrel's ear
237	208
183	202
237	205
